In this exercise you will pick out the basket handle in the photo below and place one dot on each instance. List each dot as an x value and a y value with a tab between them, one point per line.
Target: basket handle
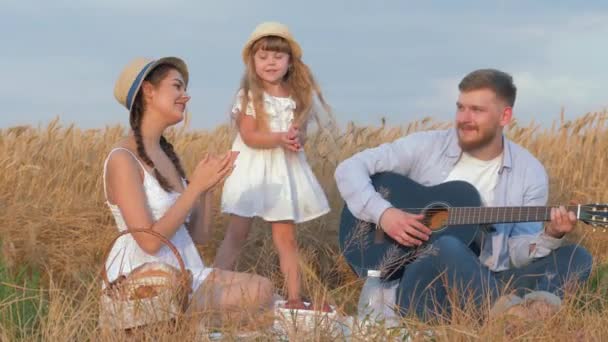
182	266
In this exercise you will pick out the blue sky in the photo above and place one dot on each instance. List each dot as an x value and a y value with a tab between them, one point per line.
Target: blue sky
401	60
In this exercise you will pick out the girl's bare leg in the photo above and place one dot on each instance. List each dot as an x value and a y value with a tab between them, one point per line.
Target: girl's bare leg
284	237
236	236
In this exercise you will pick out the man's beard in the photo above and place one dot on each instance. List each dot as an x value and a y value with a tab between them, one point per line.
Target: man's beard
482	140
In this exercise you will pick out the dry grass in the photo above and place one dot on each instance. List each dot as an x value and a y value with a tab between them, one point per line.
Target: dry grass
53	218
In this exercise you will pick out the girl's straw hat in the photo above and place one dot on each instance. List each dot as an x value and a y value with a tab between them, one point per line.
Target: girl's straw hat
271	29
132	76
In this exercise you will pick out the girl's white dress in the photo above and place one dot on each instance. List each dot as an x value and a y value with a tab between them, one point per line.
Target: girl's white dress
273	184
126	254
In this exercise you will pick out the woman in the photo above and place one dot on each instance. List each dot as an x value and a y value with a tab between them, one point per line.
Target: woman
146	186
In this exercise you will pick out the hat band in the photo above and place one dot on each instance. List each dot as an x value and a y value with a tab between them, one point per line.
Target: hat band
135	85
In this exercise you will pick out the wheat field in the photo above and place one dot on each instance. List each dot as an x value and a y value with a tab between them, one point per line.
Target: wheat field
53	220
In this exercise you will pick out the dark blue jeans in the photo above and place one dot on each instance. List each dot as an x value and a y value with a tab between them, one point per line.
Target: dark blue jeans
451	265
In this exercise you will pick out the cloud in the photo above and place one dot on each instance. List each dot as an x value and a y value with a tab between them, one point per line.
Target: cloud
568	88
401	60
543	97
118	6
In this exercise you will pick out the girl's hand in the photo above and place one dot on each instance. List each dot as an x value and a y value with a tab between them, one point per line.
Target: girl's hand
288	142
212	170
293	134
293	131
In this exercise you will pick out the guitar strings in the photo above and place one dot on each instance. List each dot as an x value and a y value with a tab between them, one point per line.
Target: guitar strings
491	208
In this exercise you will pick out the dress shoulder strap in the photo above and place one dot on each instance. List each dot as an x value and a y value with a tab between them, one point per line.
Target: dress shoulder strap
105	165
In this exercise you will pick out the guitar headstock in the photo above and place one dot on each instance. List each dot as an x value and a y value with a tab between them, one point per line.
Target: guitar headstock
595	214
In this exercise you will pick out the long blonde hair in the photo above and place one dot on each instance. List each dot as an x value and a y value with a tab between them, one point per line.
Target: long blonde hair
299	79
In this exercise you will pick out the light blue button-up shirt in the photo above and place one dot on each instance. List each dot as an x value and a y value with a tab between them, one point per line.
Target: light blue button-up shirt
427	158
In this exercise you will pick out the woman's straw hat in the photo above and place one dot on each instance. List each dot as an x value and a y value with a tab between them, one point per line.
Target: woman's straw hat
271	29
132	76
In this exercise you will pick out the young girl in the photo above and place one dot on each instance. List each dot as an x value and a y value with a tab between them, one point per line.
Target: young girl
146	187
273	180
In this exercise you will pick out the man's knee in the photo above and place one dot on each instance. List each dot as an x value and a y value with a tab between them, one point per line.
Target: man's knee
449	245
578	259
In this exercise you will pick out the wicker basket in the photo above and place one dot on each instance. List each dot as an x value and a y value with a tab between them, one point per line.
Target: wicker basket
127	303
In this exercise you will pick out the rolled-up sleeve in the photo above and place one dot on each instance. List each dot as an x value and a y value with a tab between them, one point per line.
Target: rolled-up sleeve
353	174
528	240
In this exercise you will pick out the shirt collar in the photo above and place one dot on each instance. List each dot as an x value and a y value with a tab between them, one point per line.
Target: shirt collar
453	150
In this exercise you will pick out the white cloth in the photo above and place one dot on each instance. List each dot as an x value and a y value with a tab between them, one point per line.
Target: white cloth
274	184
482	174
126	254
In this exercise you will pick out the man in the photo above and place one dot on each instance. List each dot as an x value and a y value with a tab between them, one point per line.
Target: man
528	256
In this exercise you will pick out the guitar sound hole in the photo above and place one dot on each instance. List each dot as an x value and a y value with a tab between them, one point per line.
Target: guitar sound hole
436	217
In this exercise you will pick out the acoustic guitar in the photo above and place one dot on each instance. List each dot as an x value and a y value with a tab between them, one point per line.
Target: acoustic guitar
452	208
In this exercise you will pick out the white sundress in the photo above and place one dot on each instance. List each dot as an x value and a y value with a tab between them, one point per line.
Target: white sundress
126	254
273	184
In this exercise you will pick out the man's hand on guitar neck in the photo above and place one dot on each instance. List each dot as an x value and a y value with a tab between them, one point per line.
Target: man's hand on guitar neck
562	222
405	228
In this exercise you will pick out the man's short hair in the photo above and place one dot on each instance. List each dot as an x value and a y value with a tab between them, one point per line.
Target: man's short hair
499	82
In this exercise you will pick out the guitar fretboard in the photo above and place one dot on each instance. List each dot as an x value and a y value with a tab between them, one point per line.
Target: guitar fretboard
490	215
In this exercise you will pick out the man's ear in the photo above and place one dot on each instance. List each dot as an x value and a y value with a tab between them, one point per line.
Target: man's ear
506	116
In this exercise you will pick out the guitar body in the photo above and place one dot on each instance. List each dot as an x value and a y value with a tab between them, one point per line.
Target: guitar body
367	248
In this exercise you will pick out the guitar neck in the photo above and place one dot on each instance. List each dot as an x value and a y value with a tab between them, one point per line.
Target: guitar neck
492	215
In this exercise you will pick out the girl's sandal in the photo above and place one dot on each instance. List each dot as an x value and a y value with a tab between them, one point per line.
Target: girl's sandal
295	305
